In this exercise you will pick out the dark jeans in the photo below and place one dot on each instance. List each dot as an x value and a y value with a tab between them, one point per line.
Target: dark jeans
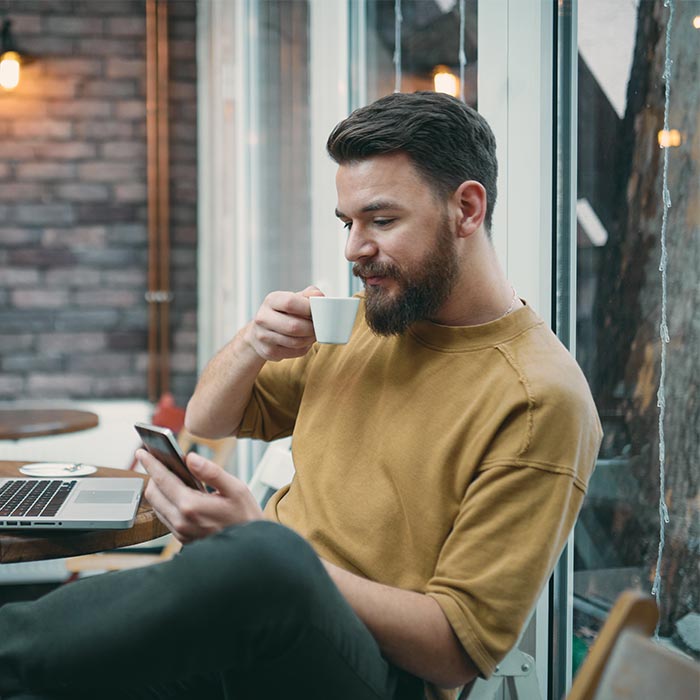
247	614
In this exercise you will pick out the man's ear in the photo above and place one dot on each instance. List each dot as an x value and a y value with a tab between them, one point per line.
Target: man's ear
470	202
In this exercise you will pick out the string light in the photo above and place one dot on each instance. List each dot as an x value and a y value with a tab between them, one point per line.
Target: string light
663	326
445	81
462	52
669	138
398	19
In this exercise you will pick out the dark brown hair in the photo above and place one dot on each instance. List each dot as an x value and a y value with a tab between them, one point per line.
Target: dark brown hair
447	140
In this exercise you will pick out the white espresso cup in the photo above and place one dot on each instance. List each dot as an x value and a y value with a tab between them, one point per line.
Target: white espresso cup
333	318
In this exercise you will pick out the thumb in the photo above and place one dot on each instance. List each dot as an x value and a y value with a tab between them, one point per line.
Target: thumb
312	291
210	473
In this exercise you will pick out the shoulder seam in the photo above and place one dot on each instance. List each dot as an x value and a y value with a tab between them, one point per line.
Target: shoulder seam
536	464
528	392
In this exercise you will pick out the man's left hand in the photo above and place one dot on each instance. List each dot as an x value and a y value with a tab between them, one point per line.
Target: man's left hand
189	514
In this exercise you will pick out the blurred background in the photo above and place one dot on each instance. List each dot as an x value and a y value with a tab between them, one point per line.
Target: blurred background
158	177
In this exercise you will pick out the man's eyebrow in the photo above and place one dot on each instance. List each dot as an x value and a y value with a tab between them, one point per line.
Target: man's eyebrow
379	205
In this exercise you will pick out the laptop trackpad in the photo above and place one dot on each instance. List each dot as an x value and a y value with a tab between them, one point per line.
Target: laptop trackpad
104	496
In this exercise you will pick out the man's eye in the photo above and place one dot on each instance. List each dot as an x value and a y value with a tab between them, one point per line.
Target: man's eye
383	222
347	224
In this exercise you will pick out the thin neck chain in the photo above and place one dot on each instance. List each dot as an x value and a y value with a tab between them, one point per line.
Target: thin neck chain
512	305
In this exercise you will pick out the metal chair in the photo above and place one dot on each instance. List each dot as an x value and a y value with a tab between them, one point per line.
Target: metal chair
516	672
275	470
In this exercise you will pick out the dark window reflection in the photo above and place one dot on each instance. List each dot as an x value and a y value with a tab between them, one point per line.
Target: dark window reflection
619	305
430	39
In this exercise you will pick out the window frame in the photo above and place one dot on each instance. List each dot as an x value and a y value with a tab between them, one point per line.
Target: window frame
516	91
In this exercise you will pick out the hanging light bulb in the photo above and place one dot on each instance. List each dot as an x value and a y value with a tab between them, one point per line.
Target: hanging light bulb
444	80
9	70
11	58
670	138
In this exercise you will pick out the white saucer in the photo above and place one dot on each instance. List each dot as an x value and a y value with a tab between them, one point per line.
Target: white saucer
61	469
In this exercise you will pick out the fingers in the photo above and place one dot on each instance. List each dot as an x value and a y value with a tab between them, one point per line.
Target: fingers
285	323
230	489
294	304
162	491
190	514
282	328
167	482
232	493
164	510
213	475
165	521
312	291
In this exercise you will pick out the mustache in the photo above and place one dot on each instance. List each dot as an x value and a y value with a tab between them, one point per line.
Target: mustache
375	269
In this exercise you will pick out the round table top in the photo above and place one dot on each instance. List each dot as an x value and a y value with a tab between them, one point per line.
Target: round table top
18	423
19	545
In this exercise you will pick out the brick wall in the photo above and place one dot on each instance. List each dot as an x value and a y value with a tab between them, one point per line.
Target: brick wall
73	211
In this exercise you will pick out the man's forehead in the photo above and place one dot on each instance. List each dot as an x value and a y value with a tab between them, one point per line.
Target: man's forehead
379	182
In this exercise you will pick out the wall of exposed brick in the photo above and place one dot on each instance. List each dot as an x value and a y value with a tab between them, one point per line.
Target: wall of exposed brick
73	201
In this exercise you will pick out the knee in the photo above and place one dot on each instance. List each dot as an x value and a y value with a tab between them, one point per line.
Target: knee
289	571
263	562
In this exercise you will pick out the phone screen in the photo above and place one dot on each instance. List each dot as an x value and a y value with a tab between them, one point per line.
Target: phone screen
164	448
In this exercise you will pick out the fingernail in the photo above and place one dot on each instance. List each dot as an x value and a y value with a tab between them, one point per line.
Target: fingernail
197	460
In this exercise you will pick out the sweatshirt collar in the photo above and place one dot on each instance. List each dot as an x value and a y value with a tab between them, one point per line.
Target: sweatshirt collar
464	338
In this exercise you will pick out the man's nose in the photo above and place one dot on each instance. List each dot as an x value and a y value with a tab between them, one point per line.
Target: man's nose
359	245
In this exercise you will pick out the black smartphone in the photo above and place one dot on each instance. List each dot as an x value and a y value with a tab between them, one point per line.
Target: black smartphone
161	443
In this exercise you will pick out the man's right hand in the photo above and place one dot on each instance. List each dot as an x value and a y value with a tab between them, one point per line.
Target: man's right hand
282	328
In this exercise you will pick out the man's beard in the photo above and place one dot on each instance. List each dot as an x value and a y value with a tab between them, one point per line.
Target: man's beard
423	288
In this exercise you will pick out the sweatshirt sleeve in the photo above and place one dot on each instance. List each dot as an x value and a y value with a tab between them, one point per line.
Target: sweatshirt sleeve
274	403
516	515
506	539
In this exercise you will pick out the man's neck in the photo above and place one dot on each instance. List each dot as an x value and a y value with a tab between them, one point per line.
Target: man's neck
482	292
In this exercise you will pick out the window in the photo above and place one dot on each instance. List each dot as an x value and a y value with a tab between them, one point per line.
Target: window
279	141
620	209
430	46
296	68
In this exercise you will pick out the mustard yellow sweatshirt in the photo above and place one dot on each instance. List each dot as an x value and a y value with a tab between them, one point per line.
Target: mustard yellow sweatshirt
452	461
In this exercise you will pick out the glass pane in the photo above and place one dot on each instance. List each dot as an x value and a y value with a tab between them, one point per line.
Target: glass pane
280	143
430	44
622	51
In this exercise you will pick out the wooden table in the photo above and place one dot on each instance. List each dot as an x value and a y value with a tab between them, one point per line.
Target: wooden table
18	423
17	545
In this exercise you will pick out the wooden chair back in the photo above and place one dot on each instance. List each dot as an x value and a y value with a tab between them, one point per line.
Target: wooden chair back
633	612
641	668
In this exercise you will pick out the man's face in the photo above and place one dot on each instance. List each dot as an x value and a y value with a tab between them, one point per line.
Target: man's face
400	241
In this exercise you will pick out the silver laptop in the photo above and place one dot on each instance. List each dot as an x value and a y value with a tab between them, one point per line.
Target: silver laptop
69	503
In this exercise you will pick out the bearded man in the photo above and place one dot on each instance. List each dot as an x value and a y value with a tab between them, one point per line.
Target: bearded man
441	458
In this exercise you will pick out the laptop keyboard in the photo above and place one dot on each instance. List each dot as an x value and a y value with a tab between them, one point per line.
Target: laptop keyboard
31	498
